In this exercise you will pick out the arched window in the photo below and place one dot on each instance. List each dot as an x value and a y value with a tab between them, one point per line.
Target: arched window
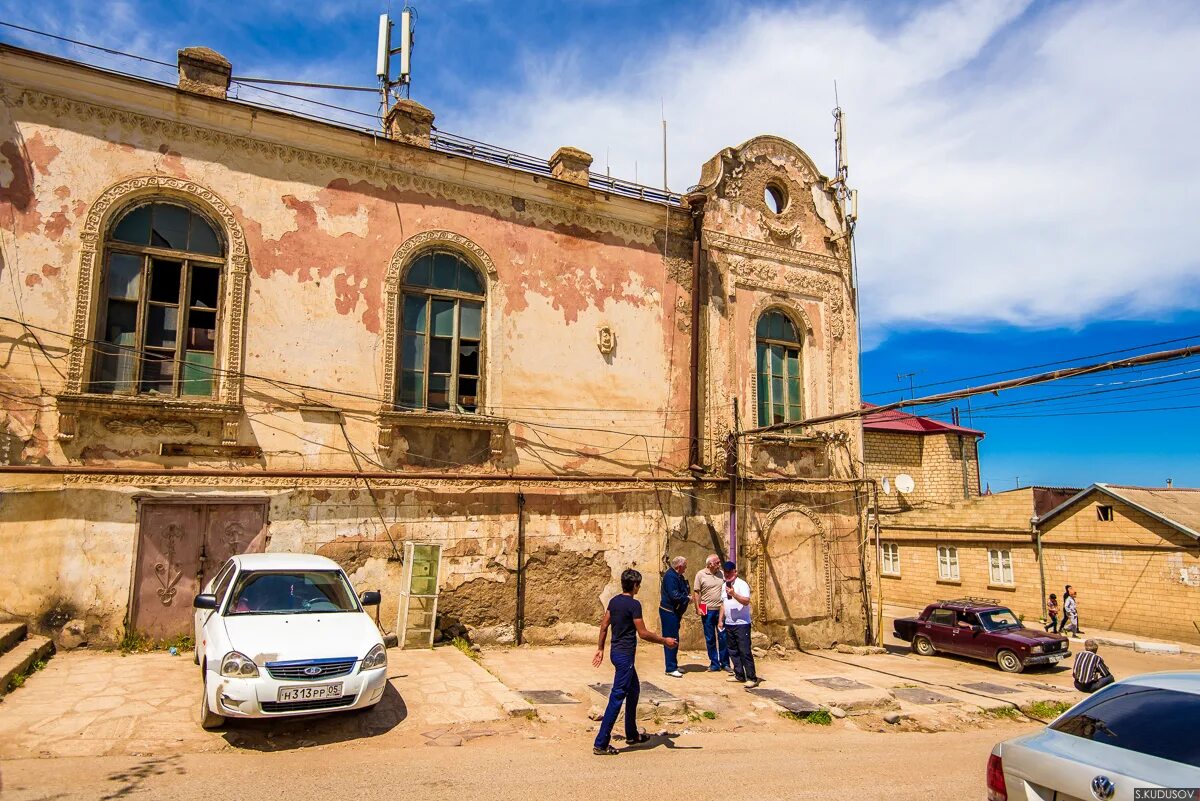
779	372
441	325
159	303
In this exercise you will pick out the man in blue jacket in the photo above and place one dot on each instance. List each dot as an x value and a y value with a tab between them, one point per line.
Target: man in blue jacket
672	606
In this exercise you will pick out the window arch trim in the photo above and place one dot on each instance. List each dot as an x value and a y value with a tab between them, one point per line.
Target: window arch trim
115	201
412	249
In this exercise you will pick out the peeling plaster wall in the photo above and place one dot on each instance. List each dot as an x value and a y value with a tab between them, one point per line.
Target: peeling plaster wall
323	212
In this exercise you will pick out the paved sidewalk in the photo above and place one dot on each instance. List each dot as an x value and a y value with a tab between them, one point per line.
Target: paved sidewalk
92	703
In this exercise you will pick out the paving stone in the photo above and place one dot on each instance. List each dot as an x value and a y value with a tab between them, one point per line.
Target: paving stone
989	687
650	692
919	695
1038	685
547	697
839	683
792	703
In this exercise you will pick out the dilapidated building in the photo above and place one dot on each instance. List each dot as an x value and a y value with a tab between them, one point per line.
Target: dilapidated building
483	382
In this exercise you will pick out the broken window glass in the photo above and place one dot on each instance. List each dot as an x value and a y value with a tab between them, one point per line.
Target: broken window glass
441	328
152	343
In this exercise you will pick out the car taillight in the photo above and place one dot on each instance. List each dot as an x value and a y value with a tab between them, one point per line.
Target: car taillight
995	779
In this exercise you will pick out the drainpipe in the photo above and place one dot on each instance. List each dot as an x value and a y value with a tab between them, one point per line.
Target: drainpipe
1041	567
731	470
696	204
519	623
962	451
878	567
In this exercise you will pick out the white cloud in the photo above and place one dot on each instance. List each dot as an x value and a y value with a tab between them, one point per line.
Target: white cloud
1028	166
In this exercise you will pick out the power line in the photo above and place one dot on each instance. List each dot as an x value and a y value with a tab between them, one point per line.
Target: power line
1039	366
994	387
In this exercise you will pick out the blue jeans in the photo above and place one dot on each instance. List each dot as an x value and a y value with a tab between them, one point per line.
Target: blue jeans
625	692
718	652
669	623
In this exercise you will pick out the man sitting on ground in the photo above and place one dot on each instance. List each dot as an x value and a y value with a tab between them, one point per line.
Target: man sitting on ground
1090	672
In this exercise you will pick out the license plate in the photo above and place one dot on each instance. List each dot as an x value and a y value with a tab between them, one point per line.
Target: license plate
311	692
1057	657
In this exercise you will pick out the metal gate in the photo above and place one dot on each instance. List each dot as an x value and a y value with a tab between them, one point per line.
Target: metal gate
180	546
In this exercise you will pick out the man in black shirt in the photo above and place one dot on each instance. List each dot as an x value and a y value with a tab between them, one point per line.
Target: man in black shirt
624	614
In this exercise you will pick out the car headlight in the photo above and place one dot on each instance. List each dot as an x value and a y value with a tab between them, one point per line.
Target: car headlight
237	665
1037	649
375	658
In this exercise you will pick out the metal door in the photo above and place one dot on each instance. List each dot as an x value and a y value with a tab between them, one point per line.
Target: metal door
169	545
180	547
231	529
418	600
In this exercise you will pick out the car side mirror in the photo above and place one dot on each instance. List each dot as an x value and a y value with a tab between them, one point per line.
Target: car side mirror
205	601
370	598
976	629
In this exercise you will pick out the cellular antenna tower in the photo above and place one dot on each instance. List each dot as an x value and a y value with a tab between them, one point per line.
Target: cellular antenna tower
395	89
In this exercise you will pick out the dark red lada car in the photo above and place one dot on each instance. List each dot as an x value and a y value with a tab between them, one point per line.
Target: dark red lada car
981	629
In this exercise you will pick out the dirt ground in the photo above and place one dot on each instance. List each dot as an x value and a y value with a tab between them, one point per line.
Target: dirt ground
99	725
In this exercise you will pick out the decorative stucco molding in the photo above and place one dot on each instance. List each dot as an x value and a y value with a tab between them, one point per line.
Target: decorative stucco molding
536	212
766	250
228	376
449	486
766	529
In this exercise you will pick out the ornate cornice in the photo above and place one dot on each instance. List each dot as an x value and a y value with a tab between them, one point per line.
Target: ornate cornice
765	250
444	485
537	212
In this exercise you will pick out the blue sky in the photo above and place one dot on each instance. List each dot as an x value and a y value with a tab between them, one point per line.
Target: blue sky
1027	169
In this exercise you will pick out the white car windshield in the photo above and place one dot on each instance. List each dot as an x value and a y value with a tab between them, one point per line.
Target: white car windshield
1000	619
291	593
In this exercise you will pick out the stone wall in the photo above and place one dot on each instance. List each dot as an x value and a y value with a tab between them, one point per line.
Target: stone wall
935	462
1133	574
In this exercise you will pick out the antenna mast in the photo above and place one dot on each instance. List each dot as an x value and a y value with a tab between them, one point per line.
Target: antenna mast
395	89
847	197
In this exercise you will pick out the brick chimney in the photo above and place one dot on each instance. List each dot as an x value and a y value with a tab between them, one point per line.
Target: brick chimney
571	164
204	71
409	121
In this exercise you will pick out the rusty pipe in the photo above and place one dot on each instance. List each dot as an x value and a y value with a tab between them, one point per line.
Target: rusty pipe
696	204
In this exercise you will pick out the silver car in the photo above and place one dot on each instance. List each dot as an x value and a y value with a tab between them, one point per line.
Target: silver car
1139	733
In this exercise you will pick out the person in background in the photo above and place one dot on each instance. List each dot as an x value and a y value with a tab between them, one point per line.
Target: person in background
624	614
1070	612
708	591
672	606
736	619
1052	613
1090	672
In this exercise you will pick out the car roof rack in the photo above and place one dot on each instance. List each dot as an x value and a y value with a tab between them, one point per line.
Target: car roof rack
971	600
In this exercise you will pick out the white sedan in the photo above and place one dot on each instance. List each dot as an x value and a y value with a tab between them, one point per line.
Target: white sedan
1136	734
284	634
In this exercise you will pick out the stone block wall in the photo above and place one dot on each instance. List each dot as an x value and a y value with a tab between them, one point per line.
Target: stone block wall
935	462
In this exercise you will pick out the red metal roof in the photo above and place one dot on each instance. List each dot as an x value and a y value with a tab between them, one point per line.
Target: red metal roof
898	422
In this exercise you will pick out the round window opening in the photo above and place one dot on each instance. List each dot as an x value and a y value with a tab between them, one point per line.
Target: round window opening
775	197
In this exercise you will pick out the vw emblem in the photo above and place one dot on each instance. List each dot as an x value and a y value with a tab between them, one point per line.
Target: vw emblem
316	671
1103	788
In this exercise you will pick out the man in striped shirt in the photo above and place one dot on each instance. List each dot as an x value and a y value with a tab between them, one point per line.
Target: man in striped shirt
1090	672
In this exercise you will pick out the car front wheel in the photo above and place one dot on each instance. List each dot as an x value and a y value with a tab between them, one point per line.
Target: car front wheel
208	719
1009	662
922	646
